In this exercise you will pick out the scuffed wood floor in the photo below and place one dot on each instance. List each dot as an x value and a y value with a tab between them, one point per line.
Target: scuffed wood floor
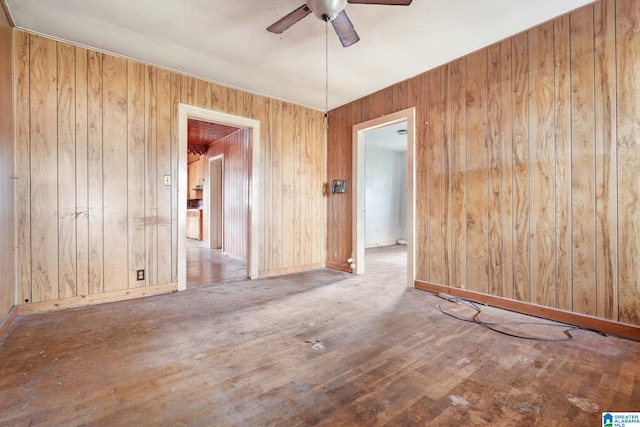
321	348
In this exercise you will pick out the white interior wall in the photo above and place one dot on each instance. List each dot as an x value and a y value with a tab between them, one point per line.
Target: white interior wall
385	197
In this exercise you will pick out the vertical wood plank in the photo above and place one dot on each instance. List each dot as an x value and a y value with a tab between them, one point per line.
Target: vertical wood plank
115	162
542	172
400	96
23	169
458	175
165	236
583	161
309	188
152	179
606	164
287	203
477	179
7	168
82	171
416	99
344	201
248	105
266	139
44	171
520	108
423	235
445	101
494	151
175	95
188	90
298	185
67	256
506	200
434	191
94	171
628	121
276	188
320	176
232	101
218	98
562	79
204	94
136	165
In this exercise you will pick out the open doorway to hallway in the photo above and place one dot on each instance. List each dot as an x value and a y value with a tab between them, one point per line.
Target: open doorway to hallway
217	203
384	176
251	135
385	197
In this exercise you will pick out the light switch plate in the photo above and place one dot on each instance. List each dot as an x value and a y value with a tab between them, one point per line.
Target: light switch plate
167	180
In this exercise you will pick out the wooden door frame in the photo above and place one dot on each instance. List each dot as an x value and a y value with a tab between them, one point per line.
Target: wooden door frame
216	159
358	140
186	112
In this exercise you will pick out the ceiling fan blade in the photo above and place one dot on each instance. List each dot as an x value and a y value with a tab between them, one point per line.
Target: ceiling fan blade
284	23
384	2
343	26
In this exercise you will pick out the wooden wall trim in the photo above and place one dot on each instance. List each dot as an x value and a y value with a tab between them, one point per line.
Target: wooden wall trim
81	301
582	320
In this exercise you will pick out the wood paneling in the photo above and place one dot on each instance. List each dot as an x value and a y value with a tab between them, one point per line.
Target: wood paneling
67	232
96	134
114	172
235	192
527	182
562	79
520	160
628	131
94	173
7	203
542	158
583	161
476	191
43	147
606	167
23	154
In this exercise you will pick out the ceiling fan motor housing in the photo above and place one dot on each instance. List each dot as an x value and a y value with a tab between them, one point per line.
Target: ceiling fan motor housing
327	10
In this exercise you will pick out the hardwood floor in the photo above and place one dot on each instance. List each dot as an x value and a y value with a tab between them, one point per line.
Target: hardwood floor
318	348
210	266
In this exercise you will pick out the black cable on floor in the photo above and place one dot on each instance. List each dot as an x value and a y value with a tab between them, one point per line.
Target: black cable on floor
492	325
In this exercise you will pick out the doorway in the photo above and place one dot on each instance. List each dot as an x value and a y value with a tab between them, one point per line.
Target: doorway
252	129
359	136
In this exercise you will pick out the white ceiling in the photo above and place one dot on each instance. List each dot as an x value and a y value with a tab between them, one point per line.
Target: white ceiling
226	41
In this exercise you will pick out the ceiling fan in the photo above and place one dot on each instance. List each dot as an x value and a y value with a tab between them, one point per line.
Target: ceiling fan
330	10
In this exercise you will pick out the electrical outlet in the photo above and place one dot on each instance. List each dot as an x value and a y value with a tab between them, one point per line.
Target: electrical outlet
140	274
167	180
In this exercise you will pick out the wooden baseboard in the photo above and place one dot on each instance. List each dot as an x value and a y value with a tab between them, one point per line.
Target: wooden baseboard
340	267
290	270
87	300
7	322
576	319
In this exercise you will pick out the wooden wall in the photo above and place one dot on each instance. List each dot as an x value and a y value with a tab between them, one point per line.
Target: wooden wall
235	192
96	134
7	276
527	159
